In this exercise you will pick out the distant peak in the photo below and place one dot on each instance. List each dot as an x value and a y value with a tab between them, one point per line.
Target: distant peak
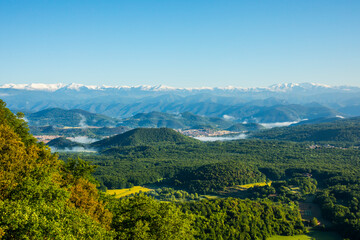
288	86
34	86
282	87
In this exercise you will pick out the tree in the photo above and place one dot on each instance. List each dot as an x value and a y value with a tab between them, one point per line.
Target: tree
38	198
142	217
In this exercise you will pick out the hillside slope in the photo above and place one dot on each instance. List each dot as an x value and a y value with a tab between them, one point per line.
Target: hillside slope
63	143
176	121
344	130
71	118
144	136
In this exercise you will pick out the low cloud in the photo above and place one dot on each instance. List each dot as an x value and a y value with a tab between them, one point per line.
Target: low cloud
213	139
82	122
82	139
277	124
74	149
228	117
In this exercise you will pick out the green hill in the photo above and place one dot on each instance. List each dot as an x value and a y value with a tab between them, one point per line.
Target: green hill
144	136
344	130
216	176
176	121
63	143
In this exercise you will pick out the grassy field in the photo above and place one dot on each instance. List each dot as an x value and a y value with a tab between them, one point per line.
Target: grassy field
240	190
311	235
127	191
209	196
250	185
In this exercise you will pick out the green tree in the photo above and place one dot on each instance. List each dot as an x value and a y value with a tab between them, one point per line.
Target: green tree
142	217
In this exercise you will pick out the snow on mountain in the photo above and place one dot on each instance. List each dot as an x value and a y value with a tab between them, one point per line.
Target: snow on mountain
34	86
283	87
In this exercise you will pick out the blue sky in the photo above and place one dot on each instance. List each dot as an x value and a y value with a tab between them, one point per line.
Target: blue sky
180	43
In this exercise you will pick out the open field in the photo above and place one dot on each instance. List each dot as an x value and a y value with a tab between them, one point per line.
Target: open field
209	196
311	235
250	185
240	190
127	191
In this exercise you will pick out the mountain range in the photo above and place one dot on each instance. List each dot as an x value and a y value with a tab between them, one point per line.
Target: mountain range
54	121
277	103
57	117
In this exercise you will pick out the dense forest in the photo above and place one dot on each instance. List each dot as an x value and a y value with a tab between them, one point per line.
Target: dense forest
340	131
298	171
45	197
42	197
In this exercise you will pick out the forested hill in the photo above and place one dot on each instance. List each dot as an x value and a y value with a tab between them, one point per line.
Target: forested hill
344	130
70	118
177	121
144	136
63	143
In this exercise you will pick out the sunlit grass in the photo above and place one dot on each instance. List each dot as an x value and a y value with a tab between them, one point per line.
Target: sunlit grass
210	196
311	235
127	191
250	185
296	237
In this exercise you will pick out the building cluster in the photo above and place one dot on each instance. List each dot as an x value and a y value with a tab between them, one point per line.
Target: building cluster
205	132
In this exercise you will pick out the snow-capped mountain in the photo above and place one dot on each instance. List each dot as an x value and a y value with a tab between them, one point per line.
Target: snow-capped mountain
284	87
282	101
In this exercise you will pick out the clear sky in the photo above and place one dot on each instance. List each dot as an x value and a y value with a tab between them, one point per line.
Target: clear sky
180	43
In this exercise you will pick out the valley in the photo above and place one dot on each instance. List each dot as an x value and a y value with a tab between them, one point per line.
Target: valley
179	120
308	170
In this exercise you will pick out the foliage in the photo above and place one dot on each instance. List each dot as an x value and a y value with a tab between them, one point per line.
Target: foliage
170	194
212	177
37	198
16	123
142	217
41	197
345	130
340	204
297	169
138	165
232	218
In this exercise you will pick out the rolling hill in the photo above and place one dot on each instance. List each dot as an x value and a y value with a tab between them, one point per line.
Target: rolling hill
63	143
184	120
58	117
343	130
144	136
